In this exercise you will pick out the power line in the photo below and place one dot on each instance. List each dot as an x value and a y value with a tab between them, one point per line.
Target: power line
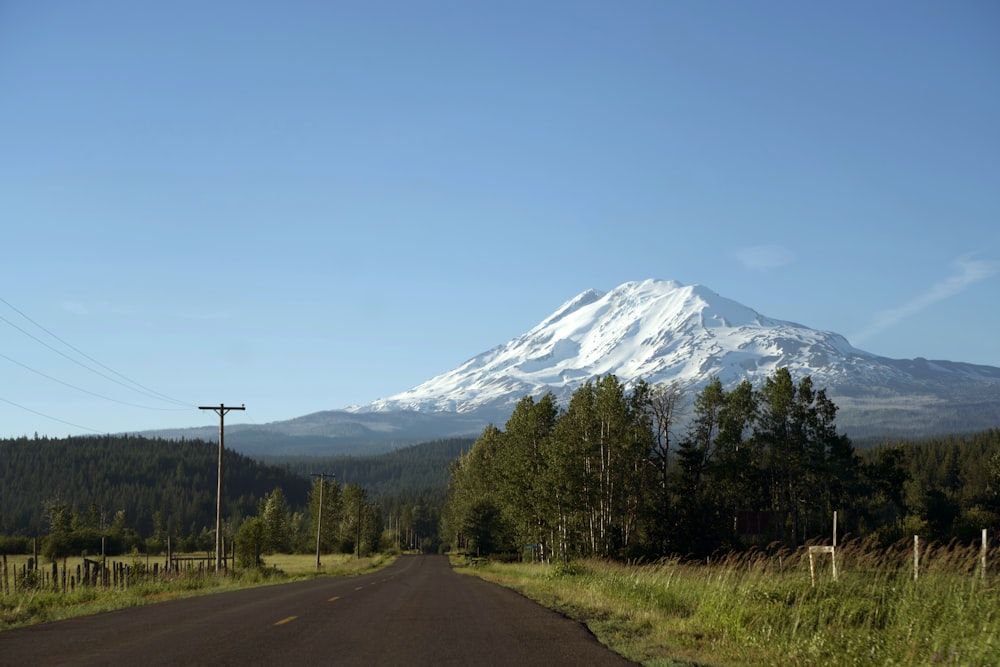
85	366
87	391
55	419
135	386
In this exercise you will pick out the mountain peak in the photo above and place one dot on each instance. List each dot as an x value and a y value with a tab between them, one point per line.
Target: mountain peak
656	330
663	332
574	304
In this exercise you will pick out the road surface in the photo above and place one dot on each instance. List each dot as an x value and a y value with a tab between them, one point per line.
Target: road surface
417	611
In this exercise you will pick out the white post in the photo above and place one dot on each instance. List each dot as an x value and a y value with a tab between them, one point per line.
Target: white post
833	552
982	559
916	556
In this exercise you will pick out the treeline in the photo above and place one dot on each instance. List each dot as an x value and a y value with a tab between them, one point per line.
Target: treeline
608	476
349	522
613	473
407	488
126	488
415	470
113	494
941	488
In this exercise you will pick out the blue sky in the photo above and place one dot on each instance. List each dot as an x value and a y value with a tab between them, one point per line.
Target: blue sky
302	206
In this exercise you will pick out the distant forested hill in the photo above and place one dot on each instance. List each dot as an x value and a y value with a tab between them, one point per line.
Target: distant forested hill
161	485
418	469
948	487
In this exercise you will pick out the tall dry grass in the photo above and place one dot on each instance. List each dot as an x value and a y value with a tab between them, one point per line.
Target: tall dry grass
761	608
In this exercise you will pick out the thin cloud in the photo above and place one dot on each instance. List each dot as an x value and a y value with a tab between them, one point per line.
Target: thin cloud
968	271
764	257
75	308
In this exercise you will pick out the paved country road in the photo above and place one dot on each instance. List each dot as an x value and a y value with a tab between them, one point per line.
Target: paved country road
417	611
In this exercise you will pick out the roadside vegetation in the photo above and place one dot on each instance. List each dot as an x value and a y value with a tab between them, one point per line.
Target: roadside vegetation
676	527
760	609
41	601
618	474
687	541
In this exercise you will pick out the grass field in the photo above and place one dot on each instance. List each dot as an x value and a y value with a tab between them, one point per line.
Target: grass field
42	604
761	610
744	610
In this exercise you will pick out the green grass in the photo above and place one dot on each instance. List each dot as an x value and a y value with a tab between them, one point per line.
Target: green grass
40	605
761	610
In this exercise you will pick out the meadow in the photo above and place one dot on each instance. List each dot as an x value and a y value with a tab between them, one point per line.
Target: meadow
747	609
764	609
22	605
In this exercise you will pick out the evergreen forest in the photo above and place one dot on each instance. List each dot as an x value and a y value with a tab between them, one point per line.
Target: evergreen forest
117	493
614	474
617	473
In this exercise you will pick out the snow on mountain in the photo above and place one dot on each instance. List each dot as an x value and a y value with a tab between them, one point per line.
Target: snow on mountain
662	331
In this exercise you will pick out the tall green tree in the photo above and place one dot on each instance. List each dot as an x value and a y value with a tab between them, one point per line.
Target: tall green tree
331	494
522	469
476	476
275	517
811	469
599	468
663	403
696	489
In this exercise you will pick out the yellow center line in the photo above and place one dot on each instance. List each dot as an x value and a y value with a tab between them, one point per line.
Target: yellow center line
334	598
286	620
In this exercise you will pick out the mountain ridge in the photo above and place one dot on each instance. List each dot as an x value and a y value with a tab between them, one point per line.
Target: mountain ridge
662	331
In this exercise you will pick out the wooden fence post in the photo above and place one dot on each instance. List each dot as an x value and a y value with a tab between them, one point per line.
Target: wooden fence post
982	559
833	551
916	557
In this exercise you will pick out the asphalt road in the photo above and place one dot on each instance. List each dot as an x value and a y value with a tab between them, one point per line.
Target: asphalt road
415	612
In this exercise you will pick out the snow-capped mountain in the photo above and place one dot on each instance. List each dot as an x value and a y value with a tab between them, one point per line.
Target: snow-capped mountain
662	332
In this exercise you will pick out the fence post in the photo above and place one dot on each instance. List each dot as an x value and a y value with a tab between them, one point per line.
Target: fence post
833	551
982	559
916	557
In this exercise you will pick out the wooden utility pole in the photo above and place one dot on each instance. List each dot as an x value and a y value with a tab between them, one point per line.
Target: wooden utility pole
319	516
360	498
222	411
